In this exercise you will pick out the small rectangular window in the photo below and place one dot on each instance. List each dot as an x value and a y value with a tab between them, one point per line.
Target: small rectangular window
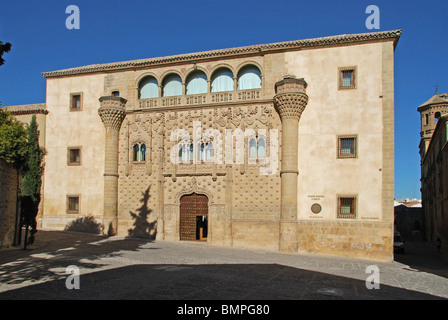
76	101
74	156
347	147
347	78
346	207
73	204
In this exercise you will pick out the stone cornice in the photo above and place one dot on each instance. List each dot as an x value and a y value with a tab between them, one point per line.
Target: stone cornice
347	39
38	108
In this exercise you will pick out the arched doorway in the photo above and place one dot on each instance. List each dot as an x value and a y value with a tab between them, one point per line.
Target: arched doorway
193	217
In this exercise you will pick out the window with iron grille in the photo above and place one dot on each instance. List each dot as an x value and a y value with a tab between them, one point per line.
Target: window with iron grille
347	147
346	207
347	78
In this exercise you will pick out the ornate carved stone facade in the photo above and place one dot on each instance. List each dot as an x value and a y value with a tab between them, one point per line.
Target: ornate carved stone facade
257	151
227	186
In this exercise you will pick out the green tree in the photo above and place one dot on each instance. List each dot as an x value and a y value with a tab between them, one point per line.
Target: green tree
13	140
32	177
4	48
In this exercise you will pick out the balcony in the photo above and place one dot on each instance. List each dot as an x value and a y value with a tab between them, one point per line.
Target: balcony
200	99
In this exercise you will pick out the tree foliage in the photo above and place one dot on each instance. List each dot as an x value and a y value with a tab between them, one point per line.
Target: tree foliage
4	48
33	167
13	140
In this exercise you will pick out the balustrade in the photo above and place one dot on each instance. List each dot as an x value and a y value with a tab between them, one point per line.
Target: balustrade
199	99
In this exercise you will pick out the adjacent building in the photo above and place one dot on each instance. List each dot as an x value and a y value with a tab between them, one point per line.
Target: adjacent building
285	146
434	167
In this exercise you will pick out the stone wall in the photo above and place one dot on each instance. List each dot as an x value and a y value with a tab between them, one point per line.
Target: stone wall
8	201
355	239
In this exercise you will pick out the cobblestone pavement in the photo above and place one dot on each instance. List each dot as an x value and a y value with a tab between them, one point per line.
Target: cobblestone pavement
130	268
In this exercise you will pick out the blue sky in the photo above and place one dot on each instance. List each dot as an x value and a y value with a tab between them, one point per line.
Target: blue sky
116	30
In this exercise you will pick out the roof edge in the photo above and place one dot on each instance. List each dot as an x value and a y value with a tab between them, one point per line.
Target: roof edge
344	39
437	99
36	108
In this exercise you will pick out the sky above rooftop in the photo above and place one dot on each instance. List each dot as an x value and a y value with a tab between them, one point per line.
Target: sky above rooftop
114	30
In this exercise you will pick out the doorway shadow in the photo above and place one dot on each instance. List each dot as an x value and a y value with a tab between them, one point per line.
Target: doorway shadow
143	227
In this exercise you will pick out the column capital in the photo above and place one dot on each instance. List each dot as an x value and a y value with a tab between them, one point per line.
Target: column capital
290	99
112	111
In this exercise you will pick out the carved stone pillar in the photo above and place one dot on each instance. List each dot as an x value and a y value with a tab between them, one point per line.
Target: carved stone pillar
290	101
112	113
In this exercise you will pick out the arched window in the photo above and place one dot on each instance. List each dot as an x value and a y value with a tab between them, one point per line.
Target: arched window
143	152
209	151
148	88
183	152
261	148
249	77
205	151
190	152
222	80
252	148
436	117
139	152
136	152
196	83
201	150
116	93
172	86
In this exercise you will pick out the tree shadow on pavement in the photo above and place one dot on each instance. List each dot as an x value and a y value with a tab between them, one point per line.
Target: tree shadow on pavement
213	282
53	251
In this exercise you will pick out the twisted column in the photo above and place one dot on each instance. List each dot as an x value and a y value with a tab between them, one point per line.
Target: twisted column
112	113
290	101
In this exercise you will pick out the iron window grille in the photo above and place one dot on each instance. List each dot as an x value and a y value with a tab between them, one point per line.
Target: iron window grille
347	147
347	78
346	207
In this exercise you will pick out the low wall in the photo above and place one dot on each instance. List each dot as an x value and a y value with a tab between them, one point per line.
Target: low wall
354	239
8	203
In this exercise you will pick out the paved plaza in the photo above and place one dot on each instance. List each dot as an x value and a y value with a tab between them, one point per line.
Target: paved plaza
131	268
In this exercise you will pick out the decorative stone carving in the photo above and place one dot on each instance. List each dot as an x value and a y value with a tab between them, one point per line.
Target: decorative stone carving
112	111
290	99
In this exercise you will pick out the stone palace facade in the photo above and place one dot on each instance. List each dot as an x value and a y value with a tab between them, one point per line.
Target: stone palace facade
285	146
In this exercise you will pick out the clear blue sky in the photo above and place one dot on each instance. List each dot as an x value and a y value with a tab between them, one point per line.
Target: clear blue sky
116	30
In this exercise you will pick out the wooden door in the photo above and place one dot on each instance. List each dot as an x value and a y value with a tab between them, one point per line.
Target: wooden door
193	217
